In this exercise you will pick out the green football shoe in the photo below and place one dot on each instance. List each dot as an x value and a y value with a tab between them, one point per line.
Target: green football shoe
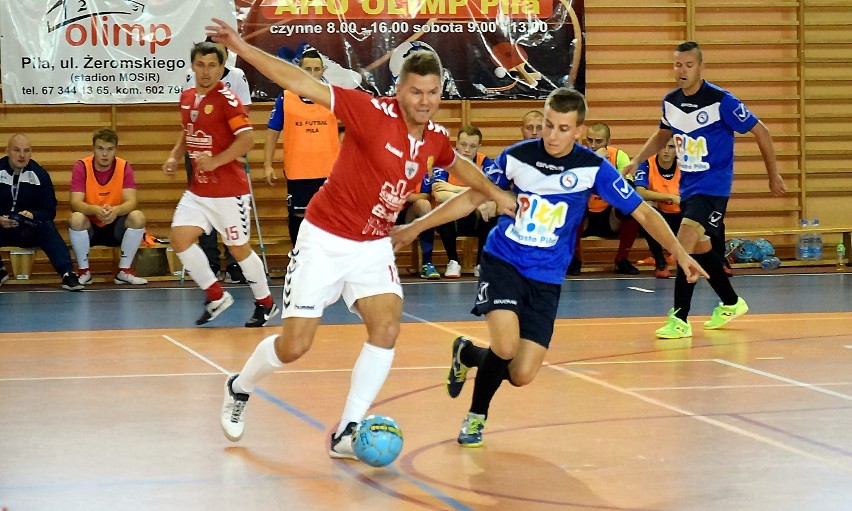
725	313
675	328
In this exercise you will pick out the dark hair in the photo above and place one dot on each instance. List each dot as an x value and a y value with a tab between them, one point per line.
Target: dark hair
421	62
690	46
471	131
206	48
105	134
310	54
599	126
565	100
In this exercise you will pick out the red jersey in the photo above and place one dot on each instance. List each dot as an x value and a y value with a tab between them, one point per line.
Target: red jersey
379	165
211	123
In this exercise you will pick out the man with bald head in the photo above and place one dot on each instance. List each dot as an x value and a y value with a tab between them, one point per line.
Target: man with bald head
532	124
28	208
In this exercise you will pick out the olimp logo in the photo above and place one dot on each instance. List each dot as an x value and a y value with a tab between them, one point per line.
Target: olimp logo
86	23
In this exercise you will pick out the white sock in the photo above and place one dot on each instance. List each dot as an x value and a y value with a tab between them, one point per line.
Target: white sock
195	262
252	268
129	245
262	362
80	244
369	374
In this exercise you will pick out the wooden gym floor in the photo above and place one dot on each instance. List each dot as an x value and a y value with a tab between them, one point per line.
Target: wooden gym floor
754	417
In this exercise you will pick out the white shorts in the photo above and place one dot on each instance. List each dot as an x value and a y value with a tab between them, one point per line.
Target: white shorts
324	266
230	216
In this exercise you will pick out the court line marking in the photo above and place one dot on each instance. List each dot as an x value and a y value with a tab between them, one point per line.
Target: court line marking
707	420
434	492
725	387
766	374
640	289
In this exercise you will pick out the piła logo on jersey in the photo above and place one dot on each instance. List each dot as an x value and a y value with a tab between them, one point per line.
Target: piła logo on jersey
691	153
537	220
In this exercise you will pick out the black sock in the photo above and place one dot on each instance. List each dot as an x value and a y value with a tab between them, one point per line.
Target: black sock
473	355
683	294
489	376
719	280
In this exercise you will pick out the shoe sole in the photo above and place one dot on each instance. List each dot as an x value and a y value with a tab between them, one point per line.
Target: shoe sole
72	288
735	316
664	336
471	446
229	300
124	282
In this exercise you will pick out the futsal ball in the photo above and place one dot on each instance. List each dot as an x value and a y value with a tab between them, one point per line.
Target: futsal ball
377	440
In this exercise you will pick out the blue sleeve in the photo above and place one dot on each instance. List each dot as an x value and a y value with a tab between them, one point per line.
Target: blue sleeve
642	175
426	184
497	171
614	189
276	118
439	174
735	114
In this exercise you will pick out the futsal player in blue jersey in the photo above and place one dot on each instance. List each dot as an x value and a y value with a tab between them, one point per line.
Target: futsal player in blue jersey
703	117
526	256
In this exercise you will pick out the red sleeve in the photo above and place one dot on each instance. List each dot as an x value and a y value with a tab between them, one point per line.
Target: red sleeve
446	155
357	110
78	177
129	179
235	111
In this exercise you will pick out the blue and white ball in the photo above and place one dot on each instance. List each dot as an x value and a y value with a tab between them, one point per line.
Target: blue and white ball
377	440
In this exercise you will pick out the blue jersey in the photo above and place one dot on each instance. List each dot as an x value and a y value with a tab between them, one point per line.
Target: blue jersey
703	125
552	198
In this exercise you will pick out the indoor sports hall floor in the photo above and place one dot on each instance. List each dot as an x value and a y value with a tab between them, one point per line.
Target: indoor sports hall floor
110	401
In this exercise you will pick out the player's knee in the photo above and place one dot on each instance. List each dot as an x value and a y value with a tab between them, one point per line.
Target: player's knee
385	334
521	378
78	222
135	219
291	348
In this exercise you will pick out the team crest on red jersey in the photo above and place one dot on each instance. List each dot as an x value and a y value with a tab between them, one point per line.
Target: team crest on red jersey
411	169
193	115
208	109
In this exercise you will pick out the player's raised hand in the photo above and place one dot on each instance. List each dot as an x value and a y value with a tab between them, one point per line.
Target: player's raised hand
225	34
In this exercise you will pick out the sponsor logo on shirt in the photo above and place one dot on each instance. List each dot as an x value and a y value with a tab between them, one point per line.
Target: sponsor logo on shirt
536	221
714	219
691	153
393	150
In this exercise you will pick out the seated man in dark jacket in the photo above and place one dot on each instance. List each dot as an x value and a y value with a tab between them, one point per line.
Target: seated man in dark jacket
27	210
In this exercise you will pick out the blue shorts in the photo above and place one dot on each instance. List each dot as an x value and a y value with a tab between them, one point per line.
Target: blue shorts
501	287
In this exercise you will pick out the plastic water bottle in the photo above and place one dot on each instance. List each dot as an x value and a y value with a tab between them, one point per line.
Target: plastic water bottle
841	257
803	246
816	242
770	263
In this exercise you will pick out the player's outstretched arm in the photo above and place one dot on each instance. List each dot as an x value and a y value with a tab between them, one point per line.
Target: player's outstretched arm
654	224
767	150
279	71
457	207
474	178
654	144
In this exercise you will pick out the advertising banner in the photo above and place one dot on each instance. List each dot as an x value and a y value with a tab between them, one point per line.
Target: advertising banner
101	51
491	49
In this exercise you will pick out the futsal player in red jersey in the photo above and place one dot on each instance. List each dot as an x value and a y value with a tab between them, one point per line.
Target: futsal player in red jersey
216	131
343	247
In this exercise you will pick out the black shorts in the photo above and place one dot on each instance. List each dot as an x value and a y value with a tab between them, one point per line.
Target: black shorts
300	192
501	287
109	235
707	210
